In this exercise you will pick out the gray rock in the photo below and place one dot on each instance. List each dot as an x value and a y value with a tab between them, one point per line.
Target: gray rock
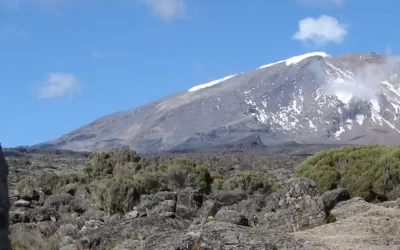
47	228
333	197
191	198
132	215
165	208
300	208
66	241
139	228
158	203
184	212
57	200
231	216
22	203
42	214
18	217
165	195
210	208
359	225
70	247
228	198
354	206
70	188
4	203
272	201
221	235
79	205
32	194
67	230
298	187
82	192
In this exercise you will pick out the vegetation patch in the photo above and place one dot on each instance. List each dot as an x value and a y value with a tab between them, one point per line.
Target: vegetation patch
368	171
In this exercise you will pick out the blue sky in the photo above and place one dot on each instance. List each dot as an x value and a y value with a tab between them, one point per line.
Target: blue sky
65	63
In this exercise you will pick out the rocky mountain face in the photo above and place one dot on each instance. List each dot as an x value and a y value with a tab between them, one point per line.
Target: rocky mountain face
312	98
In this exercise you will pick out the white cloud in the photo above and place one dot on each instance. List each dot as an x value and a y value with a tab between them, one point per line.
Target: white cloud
97	55
58	84
321	30
167	9
317	2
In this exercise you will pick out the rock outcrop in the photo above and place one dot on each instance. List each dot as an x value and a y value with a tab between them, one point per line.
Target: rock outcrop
4	203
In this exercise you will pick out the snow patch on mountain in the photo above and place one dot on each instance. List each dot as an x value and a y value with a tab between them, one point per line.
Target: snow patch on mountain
212	83
360	119
295	59
271	64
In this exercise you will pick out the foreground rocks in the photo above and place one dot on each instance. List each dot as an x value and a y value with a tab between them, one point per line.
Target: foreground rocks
294	217
359	225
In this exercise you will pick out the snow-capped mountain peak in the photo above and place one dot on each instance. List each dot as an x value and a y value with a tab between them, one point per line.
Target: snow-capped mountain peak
315	97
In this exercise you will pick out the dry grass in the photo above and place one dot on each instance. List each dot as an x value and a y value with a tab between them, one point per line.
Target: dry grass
33	239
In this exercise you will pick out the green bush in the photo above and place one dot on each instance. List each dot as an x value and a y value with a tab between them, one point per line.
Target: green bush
120	193
124	162
249	181
368	171
50	182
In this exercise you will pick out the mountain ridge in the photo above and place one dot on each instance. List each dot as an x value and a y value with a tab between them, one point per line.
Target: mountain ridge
311	98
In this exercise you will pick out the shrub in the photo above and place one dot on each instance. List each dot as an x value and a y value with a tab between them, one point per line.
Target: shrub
249	181
50	182
33	239
124	162
119	194
369	171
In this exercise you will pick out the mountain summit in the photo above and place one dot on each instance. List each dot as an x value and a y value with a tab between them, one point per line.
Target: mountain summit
311	98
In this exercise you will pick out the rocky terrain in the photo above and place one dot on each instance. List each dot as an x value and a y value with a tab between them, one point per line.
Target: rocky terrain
262	204
313	98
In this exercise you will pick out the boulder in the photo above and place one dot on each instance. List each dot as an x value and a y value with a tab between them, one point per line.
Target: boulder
300	208
191	198
70	188
184	212
162	203
165	208
333	197
57	200
18	217
82	192
79	205
228	198
22	203
32	194
209	208
231	216
67	230
42	214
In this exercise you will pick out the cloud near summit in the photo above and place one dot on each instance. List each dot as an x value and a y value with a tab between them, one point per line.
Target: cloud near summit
321	30
58	84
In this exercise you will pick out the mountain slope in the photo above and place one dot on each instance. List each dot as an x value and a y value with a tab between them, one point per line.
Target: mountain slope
311	98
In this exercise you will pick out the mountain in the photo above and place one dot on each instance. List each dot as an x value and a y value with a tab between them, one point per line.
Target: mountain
312	98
